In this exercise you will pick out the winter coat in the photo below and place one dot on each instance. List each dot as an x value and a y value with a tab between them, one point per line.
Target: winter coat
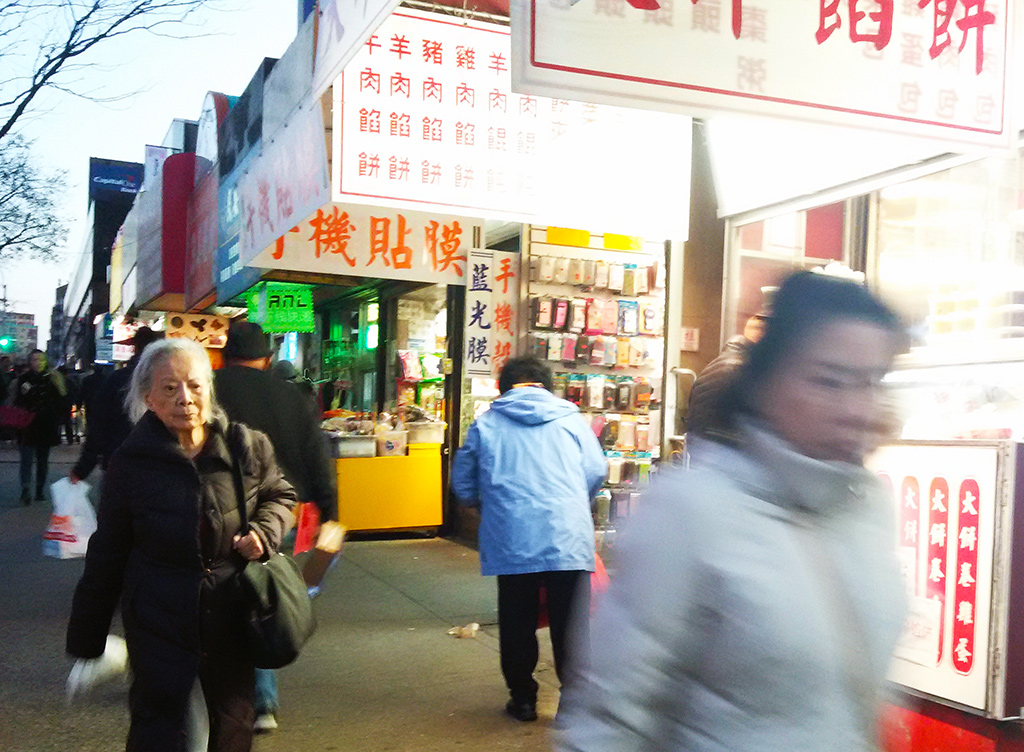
43	395
164	546
107	422
287	416
703	416
533	466
723	630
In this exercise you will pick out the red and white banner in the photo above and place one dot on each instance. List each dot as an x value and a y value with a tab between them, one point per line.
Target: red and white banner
377	242
937	68
425	116
946	546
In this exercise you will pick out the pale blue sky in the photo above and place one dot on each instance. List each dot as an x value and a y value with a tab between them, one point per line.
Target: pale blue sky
171	77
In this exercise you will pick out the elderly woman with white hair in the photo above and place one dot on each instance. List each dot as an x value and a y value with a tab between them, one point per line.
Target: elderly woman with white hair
169	544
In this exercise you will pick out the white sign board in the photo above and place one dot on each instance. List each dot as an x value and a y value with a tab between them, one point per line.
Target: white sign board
945	515
377	242
492	297
425	116
288	181
937	68
343	26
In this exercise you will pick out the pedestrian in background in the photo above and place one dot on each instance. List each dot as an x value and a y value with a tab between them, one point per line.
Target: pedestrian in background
107	421
70	399
533	467
168	544
251	394
42	392
758	598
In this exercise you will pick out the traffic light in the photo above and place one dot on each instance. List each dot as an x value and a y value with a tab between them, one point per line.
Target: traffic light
6	344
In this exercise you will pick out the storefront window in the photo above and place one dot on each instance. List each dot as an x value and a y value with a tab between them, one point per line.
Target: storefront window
949	254
766	251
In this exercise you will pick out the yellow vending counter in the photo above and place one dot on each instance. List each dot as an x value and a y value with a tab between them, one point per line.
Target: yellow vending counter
388	493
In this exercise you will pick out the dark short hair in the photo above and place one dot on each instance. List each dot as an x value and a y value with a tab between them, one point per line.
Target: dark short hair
524	370
805	303
143	338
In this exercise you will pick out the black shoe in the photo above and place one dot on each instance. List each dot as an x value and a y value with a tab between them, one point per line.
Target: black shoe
39	495
26	497
521	711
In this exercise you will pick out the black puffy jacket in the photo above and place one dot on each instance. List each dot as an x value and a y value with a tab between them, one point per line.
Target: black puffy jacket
164	547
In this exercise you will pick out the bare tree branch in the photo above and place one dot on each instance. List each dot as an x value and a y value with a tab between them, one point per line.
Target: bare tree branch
30	224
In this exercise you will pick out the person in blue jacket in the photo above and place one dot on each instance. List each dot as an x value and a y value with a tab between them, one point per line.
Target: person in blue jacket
533	466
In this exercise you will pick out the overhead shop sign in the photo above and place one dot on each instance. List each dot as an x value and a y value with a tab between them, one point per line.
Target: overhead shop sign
288	180
376	242
281	307
492	300
343	26
936	68
425	116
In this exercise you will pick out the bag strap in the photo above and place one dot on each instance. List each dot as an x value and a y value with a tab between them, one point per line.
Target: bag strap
853	647
234	445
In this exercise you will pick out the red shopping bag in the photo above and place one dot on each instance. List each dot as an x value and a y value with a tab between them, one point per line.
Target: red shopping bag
15	417
599	582
305	530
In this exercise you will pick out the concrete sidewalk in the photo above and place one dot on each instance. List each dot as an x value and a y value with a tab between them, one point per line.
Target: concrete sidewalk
381	673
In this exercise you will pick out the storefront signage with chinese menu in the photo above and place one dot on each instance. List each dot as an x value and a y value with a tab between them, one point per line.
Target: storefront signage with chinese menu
945	514
937	68
344	25
492	298
366	241
281	307
425	117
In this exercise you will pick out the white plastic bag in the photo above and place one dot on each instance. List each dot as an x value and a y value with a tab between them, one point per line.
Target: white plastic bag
72	522
88	673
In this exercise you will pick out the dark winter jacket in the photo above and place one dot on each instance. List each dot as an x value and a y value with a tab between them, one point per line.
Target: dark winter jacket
287	416
39	393
164	547
703	416
107	423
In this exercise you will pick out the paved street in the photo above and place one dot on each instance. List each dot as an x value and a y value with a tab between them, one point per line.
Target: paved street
380	674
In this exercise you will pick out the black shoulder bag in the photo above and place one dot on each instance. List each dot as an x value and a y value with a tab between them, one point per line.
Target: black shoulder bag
277	613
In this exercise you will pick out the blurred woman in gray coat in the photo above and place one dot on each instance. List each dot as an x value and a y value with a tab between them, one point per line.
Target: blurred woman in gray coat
758	598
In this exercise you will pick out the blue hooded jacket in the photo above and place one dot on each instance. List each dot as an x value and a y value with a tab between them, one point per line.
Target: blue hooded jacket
532	465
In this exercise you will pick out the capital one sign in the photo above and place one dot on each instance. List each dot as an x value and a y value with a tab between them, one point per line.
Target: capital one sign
934	68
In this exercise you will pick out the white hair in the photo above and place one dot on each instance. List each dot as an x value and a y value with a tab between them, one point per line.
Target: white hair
154	356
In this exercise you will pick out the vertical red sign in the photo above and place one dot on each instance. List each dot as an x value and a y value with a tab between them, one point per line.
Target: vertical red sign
966	573
938	527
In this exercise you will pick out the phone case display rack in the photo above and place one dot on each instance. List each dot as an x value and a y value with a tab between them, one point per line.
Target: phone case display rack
597	317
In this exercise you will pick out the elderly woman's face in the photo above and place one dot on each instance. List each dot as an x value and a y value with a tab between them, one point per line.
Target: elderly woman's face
179	395
826	398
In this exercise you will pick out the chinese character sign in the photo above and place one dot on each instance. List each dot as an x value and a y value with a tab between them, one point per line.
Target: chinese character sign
492	297
288	181
377	242
945	510
926	67
425	115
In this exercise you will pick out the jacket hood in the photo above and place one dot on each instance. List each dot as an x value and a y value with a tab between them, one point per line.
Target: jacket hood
532	405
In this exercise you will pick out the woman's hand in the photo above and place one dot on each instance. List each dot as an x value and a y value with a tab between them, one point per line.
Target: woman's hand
250	546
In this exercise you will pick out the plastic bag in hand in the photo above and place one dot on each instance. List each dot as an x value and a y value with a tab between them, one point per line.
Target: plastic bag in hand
91	672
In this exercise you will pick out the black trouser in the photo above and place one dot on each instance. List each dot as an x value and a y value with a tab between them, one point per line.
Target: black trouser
40	455
568	593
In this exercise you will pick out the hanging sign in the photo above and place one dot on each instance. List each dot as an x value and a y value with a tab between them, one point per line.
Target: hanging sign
492	297
937	68
282	307
206	329
425	117
367	241
945	514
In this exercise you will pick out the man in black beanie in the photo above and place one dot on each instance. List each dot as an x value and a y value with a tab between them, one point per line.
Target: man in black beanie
250	394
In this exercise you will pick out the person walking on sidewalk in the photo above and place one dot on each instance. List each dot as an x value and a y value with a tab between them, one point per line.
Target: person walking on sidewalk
533	467
758	597
41	392
251	394
169	546
107	423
